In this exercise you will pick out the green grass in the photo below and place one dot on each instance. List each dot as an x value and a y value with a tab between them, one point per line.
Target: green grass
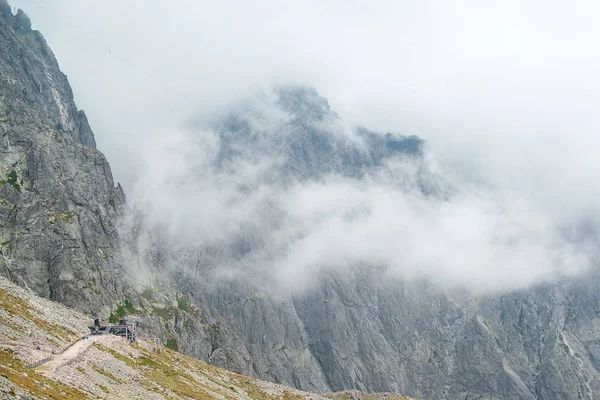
12	180
107	374
53	218
183	304
104	388
115	354
172	344
18	307
29	380
164	313
123	309
148	293
5	248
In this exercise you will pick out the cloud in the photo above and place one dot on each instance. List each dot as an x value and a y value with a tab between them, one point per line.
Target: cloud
465	233
467	242
504	93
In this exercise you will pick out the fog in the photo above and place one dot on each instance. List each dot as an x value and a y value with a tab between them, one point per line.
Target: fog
505	94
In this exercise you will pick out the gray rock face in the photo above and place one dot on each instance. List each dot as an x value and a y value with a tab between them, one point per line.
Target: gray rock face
58	201
309	142
360	328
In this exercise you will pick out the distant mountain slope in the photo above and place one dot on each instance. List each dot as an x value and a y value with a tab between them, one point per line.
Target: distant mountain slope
291	318
108	367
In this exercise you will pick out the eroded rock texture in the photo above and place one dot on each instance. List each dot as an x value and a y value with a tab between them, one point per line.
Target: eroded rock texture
58	201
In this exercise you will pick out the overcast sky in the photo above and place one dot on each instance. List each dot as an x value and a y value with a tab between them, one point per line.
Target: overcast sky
476	73
506	91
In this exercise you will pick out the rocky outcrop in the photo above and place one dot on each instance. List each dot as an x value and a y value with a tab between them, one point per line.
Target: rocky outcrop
58	201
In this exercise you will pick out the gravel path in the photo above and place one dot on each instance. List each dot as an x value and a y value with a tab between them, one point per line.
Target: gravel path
78	348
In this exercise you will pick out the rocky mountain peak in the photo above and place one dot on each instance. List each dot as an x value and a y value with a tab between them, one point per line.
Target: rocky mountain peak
303	102
5	9
22	21
37	80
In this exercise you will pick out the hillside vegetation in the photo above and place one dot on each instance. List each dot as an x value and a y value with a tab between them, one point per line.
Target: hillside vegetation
107	366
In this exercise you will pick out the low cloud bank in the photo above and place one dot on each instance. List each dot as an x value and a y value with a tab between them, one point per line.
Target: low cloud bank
415	217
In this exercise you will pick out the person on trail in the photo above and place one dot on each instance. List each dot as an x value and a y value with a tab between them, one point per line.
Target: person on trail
39	348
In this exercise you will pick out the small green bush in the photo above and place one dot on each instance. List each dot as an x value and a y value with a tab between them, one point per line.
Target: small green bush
12	180
183	304
148	293
123	309
172	344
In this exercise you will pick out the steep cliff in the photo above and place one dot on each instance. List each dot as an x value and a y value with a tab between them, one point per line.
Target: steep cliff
58	201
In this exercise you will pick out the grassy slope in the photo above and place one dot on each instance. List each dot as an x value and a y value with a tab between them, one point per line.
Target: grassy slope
111	367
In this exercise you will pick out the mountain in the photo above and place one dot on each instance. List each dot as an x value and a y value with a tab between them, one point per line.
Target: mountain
224	255
357	326
108	367
58	201
265	148
60	209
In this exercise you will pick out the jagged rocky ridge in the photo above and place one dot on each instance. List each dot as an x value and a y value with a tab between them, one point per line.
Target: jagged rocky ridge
58	201
357	329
